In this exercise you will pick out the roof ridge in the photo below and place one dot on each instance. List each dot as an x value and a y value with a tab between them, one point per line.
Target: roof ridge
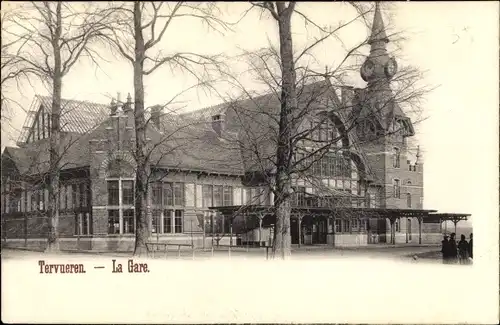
73	100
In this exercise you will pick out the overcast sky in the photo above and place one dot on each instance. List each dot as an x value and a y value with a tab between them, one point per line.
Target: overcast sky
455	42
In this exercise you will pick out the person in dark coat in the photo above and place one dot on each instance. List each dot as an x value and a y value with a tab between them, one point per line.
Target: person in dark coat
453	248
463	250
470	246
445	249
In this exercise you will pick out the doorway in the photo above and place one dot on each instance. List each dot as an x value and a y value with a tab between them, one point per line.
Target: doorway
319	231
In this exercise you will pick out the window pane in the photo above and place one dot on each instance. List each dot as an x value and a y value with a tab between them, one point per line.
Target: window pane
75	191
113	193
217	196
157	193
228	195
207	195
167	221
113	222
168	195
128	221
178	221
156	220
128	192
83	194
86	224
179	194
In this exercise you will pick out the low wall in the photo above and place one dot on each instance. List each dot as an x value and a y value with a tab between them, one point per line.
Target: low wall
348	240
427	238
112	244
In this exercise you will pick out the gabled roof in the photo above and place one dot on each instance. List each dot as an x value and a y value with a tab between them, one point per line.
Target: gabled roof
186	141
76	116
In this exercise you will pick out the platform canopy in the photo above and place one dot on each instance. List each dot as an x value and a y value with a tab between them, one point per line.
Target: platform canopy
344	212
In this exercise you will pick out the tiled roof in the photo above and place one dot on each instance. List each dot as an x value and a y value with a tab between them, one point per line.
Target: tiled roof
78	116
184	141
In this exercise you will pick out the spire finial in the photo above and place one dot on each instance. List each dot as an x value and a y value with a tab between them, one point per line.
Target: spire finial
418	154
378	28
129	98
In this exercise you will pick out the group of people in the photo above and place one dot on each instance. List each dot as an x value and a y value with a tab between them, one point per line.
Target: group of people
454	252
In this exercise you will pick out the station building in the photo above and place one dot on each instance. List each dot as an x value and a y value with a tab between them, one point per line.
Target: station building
210	170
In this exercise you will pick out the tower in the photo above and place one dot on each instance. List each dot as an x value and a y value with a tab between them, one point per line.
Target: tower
383	131
383	126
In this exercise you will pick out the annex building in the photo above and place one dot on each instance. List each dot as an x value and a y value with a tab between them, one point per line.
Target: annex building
355	182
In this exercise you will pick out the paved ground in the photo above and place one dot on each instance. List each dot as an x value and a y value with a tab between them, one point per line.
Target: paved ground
427	253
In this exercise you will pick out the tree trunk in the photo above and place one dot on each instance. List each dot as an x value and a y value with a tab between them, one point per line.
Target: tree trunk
282	239
141	186
53	173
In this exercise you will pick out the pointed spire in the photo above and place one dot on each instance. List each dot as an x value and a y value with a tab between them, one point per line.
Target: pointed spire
128	105
378	28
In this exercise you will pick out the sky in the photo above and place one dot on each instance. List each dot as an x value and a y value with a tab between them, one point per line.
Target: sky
456	43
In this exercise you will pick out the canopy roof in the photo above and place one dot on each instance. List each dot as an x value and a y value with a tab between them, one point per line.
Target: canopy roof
353	212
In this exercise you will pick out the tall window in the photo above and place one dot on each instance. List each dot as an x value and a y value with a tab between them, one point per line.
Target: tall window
207	195
113	222
408	200
128	192
179	194
167	221
338	224
178	221
128	221
157	193
113	193
121	216
227	198
168	194
217	195
397	188
346	225
156	220
396	158
397	225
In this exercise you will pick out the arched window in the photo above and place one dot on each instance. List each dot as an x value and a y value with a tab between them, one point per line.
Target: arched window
396	163
397	188
408	200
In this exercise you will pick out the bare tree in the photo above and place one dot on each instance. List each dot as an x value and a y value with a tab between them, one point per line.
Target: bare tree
138	34
55	36
299	101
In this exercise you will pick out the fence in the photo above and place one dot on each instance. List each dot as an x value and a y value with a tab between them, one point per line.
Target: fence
154	249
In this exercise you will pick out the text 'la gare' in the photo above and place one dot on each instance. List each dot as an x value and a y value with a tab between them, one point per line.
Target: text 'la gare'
132	267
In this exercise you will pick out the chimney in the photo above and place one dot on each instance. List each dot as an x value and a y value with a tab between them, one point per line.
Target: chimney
113	107
218	124
155	115
119	103
128	105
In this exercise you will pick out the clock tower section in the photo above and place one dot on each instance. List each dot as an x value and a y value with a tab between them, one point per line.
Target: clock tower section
383	127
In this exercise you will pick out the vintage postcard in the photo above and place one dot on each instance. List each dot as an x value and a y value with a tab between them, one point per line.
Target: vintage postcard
249	162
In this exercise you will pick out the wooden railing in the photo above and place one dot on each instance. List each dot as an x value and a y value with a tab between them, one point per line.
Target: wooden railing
152	248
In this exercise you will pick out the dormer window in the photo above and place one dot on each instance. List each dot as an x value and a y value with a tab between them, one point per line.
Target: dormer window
216	117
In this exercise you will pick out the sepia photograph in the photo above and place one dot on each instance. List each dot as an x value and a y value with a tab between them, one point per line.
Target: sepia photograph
249	162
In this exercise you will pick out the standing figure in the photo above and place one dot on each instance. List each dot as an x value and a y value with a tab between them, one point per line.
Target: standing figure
463	250
470	246
453	249
445	249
